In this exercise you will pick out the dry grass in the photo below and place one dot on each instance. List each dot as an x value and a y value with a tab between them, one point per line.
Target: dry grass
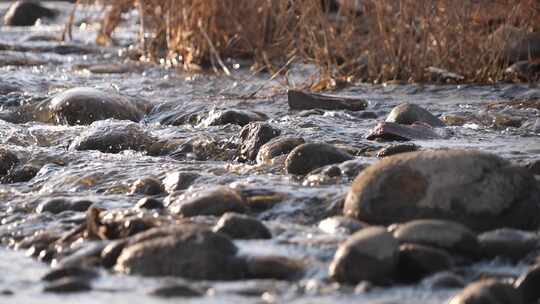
388	40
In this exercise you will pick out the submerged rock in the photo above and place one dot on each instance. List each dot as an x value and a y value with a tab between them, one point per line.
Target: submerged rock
276	147
8	160
273	267
68	285
477	189
190	253
443	279
253	136
392	131
82	106
488	292
341	225
176	291
505	242
370	254
57	205
210	202
113	137
408	114
397	149
306	101
149	203
307	157
26	13
238	226
237	117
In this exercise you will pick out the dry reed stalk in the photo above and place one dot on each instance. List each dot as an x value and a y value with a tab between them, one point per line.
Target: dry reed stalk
389	40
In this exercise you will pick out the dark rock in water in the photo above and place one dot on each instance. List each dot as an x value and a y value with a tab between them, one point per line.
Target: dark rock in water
479	190
307	157
239	226
444	279
8	160
179	180
439	233
6	88
70	272
408	114
388	131
253	136
57	205
534	167
113	137
341	225
203	148
418	261
26	13
20	174
110	253
210	202
190	253
68	285
528	284
306	101
505	242
148	185
237	117
149	203
176	291
488	292
82	106
273	267
370	254
396	149
276	147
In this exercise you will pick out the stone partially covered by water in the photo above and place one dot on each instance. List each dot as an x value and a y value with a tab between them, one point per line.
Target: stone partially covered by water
253	137
488	291
82	106
209	202
307	101
307	157
408	114
388	131
477	189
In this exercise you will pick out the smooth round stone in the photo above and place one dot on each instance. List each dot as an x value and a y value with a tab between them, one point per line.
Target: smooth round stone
307	157
488	292
408	114
417	261
276	147
211	202
238	226
505	242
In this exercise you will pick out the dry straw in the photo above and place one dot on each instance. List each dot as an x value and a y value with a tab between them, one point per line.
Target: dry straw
376	40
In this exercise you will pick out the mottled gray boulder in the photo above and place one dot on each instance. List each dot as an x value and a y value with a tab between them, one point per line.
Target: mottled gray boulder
253	136
449	235
307	157
215	201
488	292
190	253
239	226
370	254
479	190
407	114
306	101
276	147
82	106
113	137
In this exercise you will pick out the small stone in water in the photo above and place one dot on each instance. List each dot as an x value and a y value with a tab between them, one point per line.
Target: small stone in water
148	186
177	290
238	226
68	285
149	203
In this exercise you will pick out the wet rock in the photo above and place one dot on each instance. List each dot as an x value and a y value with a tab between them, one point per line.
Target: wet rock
307	157
439	233
306	101
236	117
273	267
341	225
528	284
396	149
505	242
479	190
82	106
57	205
8	160
113	137
190	253
276	147
149	203
417	261
408	114
176	291
148	186
239	226
488	292
534	167
110	253
388	131
179	181
253	136
70	272
20	174
370	254
211	202
444	279
68	285
26	13
203	148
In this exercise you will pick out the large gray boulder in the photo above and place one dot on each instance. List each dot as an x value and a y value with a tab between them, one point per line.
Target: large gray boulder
479	190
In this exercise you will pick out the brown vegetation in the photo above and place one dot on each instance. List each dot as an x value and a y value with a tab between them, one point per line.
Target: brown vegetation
376	40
